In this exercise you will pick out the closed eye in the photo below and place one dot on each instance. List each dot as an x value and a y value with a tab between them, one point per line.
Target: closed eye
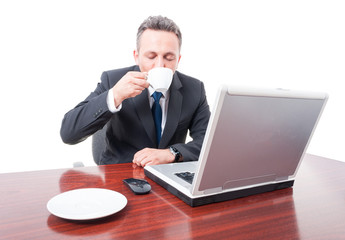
170	57
151	56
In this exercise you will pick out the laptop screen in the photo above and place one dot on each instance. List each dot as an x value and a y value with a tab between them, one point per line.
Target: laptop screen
256	136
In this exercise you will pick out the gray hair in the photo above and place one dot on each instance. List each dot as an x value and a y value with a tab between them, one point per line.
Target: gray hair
159	23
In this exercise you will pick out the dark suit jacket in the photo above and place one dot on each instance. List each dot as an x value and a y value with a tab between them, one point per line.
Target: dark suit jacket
132	128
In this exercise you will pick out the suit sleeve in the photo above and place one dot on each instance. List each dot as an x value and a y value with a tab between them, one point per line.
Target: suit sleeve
191	150
88	116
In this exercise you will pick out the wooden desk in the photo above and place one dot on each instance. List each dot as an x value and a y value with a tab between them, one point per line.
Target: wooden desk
313	209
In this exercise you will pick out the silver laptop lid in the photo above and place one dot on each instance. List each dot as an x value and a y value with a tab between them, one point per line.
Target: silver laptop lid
256	136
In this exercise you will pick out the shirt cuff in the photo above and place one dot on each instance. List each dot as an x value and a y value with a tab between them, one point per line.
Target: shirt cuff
111	103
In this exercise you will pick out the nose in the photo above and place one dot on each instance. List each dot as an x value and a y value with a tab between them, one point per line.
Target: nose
160	62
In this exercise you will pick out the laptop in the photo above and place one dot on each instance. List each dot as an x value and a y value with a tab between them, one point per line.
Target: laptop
254	143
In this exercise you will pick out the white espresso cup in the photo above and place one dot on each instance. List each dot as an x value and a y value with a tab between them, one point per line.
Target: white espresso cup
160	78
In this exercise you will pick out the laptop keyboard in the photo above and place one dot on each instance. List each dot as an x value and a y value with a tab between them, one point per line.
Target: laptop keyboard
187	176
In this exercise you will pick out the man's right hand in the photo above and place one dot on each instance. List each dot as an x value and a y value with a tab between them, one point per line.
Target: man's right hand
130	85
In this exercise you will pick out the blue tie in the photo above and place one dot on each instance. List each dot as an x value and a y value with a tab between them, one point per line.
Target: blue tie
157	115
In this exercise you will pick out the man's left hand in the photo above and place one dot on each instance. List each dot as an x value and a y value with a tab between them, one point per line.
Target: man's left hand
152	156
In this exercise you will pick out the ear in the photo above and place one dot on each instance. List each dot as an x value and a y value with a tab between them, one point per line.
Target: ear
178	61
136	56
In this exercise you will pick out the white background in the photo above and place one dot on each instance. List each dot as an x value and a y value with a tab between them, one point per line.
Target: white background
52	54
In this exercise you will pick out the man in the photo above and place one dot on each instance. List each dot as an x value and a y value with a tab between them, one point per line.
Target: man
123	100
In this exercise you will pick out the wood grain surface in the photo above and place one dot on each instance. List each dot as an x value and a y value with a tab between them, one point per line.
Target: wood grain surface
313	209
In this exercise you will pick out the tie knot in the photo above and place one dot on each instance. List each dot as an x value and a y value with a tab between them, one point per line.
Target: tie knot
156	96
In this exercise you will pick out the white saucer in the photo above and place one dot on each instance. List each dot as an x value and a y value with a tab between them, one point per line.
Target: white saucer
86	203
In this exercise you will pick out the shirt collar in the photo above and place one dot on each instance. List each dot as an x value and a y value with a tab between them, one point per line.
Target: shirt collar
165	93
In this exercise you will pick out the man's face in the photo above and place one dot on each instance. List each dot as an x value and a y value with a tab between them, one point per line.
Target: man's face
157	49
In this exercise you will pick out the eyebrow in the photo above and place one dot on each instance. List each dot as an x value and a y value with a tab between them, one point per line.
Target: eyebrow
165	54
170	53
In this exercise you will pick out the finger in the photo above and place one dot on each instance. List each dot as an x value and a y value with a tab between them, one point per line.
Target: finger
146	161
141	78
142	153
135	160
138	154
139	75
141	83
138	158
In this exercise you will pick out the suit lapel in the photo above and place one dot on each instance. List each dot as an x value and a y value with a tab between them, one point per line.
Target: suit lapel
142	105
174	112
